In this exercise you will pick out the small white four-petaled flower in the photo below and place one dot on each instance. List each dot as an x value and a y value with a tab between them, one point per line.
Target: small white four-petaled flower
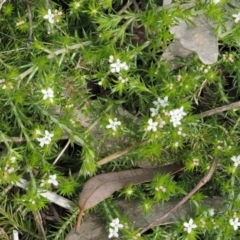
113	233
235	223
53	180
161	102
154	111
176	116
237	17
236	160
189	225
152	125
113	124
48	94
46	139
116	224
49	16
117	66
114	227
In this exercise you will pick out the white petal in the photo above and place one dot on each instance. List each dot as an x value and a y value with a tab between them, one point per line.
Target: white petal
112	70
150	121
154	129
55	183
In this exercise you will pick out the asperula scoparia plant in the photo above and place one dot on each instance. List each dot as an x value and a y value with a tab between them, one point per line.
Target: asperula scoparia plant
56	133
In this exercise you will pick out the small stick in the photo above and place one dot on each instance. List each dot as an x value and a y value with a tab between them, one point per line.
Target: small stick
117	155
61	153
114	156
219	109
15	235
136	6
22	139
38	220
30	31
129	3
201	183
48	26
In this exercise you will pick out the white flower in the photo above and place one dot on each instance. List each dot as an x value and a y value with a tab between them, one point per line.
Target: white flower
42	141
113	124
152	125
46	139
176	116
237	17
117	66
216	1
236	160
189	226
161	102
211	212
154	111
115	224
53	180
49	16
235	223
113	233
48	94
48	136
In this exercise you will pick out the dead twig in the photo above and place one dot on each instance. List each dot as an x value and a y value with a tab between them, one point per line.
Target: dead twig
22	139
30	31
129	3
219	109
117	154
136	6
48	26
61	153
38	220
202	182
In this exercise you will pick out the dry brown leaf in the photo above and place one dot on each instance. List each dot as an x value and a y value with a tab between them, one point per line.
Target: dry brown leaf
102	186
199	38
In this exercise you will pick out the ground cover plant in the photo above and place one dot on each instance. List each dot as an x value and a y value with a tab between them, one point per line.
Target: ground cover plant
107	103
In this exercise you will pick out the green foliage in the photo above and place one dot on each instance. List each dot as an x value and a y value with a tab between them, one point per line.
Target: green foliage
51	60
